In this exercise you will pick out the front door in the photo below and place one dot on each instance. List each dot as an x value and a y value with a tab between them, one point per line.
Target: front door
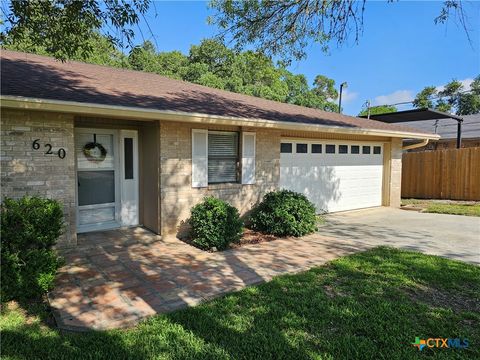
107	179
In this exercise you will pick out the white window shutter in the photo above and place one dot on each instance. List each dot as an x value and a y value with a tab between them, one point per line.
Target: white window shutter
199	158
248	157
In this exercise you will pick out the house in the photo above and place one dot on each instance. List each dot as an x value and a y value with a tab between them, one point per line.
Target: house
447	129
126	148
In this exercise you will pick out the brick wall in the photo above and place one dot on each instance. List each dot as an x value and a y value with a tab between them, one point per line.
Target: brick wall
395	172
25	171
177	194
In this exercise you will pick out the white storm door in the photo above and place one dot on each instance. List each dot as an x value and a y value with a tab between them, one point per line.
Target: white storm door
97	179
129	177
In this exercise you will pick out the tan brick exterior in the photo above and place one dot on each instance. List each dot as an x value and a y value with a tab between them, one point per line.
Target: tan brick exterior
177	194
30	172
395	173
25	171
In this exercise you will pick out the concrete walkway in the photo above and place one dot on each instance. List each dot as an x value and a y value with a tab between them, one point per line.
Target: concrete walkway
114	279
452	236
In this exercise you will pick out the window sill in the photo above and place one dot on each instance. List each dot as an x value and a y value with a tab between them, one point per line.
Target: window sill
219	186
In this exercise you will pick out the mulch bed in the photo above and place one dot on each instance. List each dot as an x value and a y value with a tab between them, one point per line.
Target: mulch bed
249	237
253	237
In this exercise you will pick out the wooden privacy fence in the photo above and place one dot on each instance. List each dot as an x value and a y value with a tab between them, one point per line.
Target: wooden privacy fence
442	174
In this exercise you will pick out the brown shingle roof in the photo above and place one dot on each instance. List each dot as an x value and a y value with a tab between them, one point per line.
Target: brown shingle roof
36	76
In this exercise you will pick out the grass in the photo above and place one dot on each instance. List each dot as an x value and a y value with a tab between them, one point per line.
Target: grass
447	207
370	305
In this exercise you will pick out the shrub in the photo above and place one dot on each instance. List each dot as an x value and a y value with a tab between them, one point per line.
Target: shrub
215	223
29	229
284	213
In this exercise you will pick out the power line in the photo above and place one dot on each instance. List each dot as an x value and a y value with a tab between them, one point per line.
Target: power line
430	98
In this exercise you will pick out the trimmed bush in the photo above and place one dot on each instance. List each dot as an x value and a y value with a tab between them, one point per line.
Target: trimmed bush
215	224
284	213
29	229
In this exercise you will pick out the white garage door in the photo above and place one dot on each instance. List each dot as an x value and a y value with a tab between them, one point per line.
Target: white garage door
335	176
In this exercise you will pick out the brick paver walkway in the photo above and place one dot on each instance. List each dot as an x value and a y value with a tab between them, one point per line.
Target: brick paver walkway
114	279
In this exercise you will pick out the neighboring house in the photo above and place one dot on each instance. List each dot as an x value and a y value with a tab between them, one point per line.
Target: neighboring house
124	148
447	129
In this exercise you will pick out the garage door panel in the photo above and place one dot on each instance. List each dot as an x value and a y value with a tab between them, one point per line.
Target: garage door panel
334	182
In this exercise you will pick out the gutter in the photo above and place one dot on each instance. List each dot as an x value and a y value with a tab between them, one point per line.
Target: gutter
125	112
424	142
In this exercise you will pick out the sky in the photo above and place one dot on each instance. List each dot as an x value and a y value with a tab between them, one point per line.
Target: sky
400	52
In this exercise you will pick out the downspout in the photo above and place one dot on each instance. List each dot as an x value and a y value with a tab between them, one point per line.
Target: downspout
424	142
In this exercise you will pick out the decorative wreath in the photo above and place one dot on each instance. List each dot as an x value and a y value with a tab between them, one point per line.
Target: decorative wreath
94	152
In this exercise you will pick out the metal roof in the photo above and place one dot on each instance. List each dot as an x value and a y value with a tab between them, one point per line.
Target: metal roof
413	115
437	122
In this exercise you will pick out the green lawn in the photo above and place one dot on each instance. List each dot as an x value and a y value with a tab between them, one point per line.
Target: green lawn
369	305
470	209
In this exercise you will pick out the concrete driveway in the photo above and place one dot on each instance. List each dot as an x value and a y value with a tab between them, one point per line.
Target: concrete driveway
453	236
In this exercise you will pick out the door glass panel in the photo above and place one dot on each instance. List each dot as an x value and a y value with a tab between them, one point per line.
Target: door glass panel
316	148
103	141
96	187
286	148
330	149
128	157
301	148
95	216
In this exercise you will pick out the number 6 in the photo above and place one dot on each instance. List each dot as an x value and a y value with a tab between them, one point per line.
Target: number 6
35	144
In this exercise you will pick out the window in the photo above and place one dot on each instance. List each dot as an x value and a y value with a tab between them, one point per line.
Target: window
302	148
222	157
377	149
355	149
128	158
96	187
330	149
286	148
316	148
343	149
365	149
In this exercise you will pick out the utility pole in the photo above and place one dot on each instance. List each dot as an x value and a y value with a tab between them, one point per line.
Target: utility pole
342	85
368	109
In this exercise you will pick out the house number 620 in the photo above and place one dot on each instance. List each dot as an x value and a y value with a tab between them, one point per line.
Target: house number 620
61	152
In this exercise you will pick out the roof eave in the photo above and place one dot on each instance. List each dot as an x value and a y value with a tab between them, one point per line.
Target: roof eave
78	108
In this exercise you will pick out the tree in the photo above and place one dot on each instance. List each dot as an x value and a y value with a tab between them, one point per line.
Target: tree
214	54
377	110
297	86
469	103
212	64
64	28
285	28
453	98
103	52
143	57
172	64
424	98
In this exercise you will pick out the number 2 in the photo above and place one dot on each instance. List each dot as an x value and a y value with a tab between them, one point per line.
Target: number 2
49	151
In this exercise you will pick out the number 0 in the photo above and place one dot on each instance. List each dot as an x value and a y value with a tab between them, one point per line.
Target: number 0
62	153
